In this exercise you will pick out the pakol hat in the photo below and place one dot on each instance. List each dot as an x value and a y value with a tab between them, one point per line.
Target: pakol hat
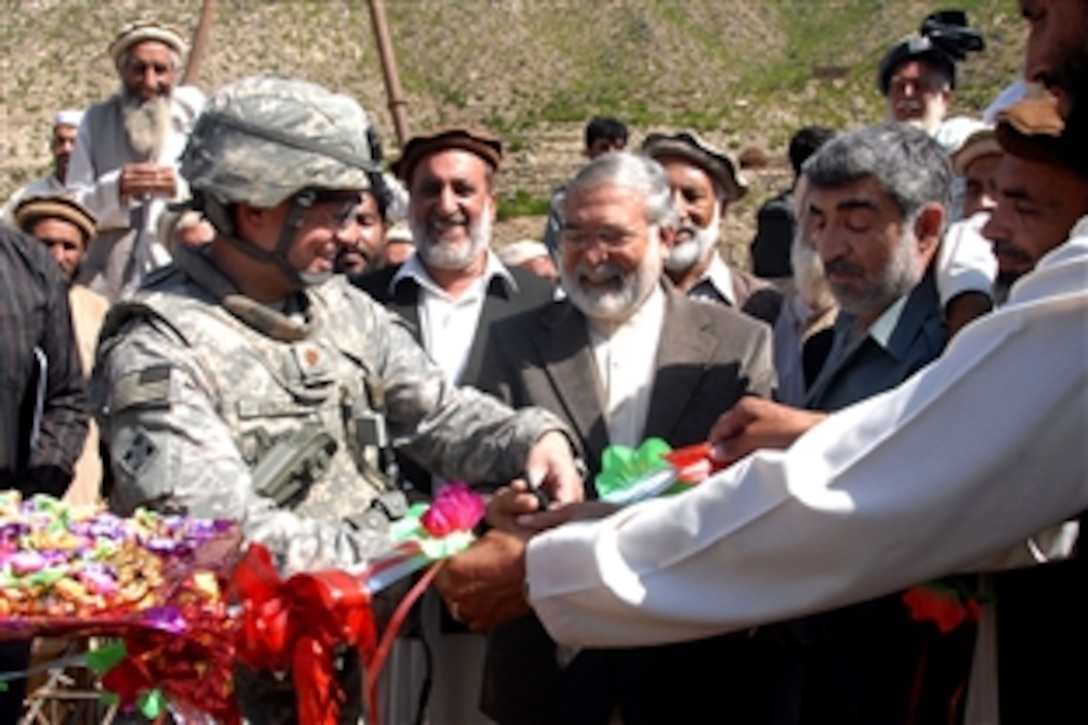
140	32
32	210
479	141
982	142
691	148
1032	128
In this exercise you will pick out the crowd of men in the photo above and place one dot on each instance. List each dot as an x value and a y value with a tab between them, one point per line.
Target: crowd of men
264	322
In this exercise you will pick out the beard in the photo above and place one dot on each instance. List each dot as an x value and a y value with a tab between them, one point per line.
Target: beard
625	292
686	254
147	124
923	114
901	274
440	254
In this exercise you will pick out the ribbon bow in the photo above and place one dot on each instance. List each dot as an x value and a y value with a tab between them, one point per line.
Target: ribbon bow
295	624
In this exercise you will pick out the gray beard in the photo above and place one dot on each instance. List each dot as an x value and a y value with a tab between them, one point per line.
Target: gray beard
903	273
616	306
147	125
441	255
685	255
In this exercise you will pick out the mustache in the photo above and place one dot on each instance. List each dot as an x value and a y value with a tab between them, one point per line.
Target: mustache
843	266
1008	249
442	222
603	272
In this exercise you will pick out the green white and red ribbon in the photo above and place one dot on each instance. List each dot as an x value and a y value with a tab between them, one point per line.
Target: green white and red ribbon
629	475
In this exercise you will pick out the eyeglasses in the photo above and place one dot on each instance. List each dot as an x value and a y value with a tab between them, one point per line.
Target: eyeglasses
899	86
611	237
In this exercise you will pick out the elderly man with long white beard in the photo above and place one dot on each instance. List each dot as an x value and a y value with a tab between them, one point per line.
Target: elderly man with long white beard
124	166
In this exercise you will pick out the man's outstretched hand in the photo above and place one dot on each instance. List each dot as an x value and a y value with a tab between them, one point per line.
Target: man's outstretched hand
551	466
485	585
755	423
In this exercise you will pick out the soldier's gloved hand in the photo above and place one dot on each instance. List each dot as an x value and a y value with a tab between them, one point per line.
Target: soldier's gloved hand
551	465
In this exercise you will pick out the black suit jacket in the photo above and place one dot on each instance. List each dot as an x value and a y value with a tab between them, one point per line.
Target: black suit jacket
502	301
854	372
707	358
861	664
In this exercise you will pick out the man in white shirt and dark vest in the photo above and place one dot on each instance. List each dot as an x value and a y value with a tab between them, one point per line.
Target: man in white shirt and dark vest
449	293
704	182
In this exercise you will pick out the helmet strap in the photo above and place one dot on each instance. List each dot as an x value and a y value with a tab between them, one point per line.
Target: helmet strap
278	256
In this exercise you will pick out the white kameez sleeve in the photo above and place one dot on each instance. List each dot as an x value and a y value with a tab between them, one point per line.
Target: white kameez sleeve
968	457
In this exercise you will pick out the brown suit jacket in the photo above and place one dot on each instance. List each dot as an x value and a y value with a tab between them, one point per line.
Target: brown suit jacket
756	297
707	358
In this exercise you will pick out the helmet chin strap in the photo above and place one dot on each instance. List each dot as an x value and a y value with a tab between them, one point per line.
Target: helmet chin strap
278	256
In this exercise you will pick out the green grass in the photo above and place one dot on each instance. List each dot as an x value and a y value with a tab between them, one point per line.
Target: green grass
738	71
522	203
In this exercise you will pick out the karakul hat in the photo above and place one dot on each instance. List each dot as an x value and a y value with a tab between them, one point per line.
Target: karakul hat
479	141
691	148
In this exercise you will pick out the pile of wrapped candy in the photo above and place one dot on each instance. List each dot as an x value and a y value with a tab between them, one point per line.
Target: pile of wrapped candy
58	561
156	583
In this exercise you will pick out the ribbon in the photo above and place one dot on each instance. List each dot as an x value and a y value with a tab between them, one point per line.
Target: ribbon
296	624
629	475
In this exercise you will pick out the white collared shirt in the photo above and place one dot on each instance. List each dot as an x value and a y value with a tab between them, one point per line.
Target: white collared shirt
720	279
625	355
882	328
448	325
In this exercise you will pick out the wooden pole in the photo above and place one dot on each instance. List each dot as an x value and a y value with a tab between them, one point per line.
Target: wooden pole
199	45
389	71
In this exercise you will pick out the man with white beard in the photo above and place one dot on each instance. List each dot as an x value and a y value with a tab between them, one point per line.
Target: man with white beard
124	165
623	358
449	292
704	181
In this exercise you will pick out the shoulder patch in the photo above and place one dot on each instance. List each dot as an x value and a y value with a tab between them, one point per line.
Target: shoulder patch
147	388
138	455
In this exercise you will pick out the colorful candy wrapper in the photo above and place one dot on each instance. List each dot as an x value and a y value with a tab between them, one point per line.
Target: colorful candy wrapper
151	584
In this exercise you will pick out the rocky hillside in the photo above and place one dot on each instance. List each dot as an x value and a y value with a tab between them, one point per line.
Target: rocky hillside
741	72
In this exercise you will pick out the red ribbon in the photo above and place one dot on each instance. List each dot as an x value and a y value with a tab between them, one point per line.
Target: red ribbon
943	606
297	623
693	463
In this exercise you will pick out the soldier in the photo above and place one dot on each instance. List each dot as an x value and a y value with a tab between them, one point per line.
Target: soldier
248	382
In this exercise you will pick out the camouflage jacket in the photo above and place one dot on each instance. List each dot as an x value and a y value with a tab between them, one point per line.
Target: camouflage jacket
193	384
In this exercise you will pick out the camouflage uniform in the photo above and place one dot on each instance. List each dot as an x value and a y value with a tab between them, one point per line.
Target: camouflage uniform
197	383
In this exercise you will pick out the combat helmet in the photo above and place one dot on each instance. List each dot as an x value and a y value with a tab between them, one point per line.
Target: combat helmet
265	140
